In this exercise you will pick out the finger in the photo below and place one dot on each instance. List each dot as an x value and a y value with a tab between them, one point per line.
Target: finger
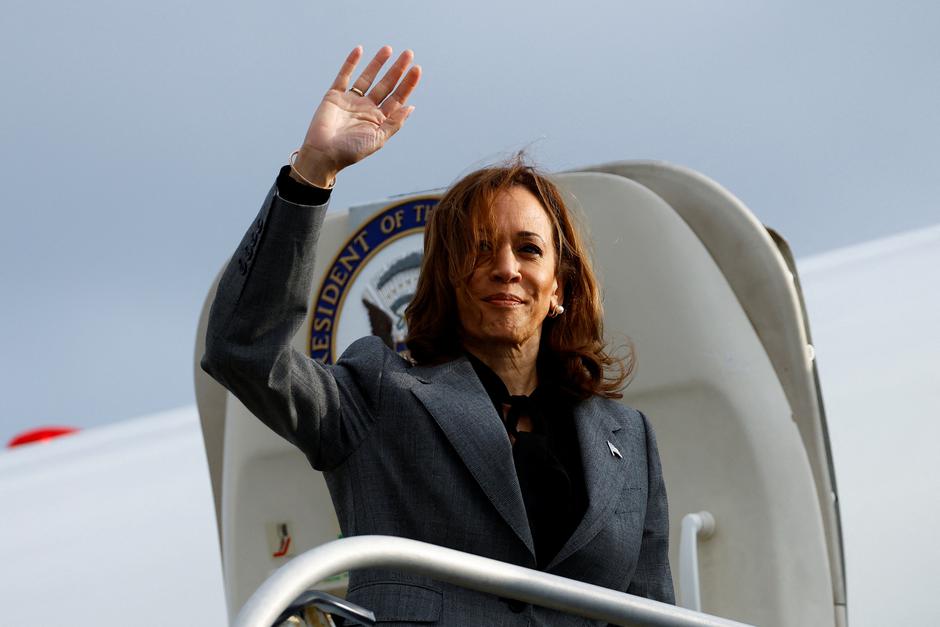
368	75
345	72
388	82
403	91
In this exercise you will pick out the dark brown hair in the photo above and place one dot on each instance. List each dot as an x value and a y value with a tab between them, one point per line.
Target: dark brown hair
572	346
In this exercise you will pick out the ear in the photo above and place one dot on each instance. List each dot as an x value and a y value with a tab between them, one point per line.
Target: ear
558	293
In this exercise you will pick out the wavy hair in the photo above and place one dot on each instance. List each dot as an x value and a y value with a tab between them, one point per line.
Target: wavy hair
572	348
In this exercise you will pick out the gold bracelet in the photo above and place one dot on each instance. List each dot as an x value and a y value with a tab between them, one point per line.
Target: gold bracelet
293	168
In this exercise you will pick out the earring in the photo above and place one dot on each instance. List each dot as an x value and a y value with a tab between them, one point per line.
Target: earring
556	311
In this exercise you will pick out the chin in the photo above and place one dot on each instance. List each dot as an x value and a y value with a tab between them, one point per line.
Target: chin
503	330
510	336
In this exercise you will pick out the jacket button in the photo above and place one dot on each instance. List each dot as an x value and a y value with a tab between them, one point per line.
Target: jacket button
516	606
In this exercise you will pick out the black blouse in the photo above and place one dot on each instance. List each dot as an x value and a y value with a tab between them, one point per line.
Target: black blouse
547	459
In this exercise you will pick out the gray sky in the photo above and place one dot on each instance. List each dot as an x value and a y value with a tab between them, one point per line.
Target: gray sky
139	138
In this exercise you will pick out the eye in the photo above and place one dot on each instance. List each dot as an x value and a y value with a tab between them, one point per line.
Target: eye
531	249
485	246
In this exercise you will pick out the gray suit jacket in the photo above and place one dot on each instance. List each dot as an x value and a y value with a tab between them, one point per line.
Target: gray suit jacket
419	451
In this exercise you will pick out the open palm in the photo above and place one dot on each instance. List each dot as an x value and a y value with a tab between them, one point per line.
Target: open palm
352	122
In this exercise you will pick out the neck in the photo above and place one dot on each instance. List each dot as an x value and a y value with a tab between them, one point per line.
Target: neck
514	365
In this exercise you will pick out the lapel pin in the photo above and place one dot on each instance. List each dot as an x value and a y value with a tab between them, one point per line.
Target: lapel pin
614	450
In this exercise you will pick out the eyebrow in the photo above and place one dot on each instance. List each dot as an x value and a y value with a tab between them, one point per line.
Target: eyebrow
529	234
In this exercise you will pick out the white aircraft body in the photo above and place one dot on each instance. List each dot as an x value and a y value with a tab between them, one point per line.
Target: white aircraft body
117	525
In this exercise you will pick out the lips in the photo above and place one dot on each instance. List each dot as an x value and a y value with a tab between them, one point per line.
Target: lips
503	299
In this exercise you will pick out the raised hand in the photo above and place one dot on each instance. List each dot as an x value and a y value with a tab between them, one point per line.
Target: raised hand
354	121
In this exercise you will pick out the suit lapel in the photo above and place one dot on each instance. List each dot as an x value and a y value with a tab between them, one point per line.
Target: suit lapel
604	472
457	401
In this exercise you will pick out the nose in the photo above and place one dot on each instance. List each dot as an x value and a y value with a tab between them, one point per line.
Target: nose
505	268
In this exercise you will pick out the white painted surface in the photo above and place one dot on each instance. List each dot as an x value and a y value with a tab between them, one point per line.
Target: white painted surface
112	526
874	313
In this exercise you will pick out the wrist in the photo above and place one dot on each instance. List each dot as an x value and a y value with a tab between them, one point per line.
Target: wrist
311	168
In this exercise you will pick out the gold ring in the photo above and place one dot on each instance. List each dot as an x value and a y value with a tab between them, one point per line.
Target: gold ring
357	91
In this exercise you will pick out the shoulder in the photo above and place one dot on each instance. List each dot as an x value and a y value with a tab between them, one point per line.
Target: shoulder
370	355
623	415
369	371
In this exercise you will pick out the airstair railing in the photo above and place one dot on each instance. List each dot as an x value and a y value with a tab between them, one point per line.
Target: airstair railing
470	571
700	525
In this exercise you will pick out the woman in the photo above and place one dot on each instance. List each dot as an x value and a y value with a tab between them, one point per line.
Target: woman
499	436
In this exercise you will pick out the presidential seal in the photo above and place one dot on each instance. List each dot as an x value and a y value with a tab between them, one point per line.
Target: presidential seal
371	281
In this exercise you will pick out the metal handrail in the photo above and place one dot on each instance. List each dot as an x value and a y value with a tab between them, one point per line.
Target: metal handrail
463	569
694	526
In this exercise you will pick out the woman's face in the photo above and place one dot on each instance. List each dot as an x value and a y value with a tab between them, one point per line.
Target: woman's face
514	285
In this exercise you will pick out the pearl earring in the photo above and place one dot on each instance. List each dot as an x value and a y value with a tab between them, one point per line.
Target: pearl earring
557	310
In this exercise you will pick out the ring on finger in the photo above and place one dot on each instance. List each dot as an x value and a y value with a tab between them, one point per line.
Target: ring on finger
357	91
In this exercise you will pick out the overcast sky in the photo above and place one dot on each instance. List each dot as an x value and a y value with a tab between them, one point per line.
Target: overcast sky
139	138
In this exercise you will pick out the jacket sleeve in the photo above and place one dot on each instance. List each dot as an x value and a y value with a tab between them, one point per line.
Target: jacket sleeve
260	303
652	577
